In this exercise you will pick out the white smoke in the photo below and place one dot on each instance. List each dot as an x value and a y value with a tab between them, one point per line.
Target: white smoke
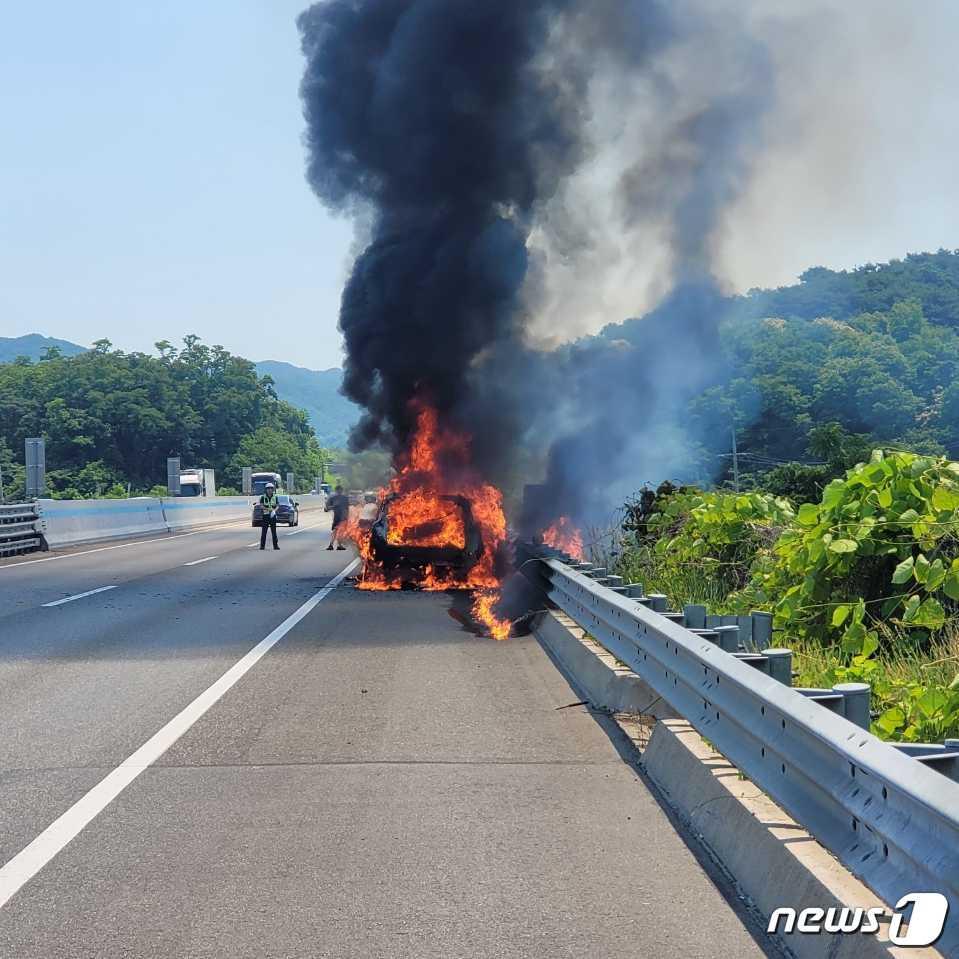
854	152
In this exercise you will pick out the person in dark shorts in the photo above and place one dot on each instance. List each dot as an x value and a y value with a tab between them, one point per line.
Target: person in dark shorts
339	504
268	505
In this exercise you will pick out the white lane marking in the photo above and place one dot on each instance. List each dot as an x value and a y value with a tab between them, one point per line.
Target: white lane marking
33	857
143	542
293	532
70	599
206	559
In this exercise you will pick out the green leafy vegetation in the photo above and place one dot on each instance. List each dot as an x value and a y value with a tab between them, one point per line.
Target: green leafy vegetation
889	378
111	419
699	547
863	585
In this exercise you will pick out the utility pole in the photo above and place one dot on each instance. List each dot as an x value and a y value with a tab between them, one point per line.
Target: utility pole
735	460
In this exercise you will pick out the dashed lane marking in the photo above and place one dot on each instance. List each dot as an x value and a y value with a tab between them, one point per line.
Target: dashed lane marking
70	599
16	873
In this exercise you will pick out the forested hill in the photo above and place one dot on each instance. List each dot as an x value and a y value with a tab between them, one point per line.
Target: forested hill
930	278
111	418
317	392
811	376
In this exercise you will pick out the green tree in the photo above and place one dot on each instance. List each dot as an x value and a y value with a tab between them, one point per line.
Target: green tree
125	413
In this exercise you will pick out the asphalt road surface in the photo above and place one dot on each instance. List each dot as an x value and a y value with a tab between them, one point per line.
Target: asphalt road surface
204	753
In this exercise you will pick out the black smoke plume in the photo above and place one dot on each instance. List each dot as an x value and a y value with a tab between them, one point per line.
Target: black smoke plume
454	129
435	118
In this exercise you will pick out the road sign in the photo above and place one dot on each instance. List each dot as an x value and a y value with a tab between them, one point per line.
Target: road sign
35	457
247	480
289	482
173	475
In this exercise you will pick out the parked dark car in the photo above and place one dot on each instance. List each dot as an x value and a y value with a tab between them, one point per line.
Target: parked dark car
287	512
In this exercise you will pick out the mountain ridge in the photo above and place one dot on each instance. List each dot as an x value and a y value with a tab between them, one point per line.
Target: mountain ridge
32	345
317	392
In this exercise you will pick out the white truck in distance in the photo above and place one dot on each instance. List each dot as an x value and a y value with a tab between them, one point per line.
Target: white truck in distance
197	482
259	481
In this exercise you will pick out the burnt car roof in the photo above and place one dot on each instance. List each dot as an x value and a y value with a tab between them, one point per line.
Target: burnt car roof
408	559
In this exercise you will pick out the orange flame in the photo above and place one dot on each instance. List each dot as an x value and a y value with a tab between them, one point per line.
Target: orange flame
423	517
421	513
564	536
483	610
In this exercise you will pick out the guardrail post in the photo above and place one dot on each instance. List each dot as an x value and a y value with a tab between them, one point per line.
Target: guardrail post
728	638
762	629
855	702
659	602
635	590
780	665
891	814
695	616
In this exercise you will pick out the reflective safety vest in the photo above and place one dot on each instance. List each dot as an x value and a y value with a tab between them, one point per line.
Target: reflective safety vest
268	503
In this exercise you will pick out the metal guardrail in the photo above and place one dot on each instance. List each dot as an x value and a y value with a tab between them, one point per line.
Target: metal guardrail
20	528
890	820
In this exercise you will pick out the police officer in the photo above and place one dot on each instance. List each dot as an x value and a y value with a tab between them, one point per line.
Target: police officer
268	504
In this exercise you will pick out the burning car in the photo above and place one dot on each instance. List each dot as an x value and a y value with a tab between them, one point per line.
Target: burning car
437	526
421	535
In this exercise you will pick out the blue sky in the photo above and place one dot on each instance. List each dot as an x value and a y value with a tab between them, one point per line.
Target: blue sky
151	179
152	185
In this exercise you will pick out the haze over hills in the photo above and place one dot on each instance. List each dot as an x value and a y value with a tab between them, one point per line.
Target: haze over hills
890	376
32	346
317	392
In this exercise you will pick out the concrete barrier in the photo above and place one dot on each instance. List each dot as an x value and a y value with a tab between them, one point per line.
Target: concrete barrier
73	522
190	512
770	857
68	522
193	512
310	502
605	682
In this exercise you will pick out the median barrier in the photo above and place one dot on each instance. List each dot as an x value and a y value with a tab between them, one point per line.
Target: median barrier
67	522
192	512
74	522
310	502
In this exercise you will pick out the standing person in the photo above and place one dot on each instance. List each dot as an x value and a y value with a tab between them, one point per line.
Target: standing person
268	504
340	505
